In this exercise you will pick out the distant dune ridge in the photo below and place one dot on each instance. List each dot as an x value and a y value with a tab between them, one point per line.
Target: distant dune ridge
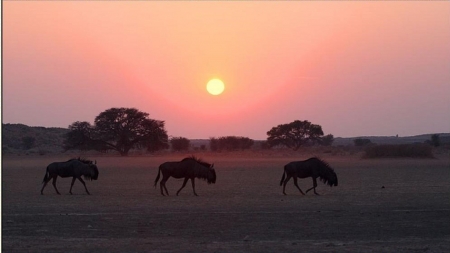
45	140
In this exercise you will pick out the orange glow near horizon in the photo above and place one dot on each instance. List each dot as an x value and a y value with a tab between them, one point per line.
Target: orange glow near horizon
280	61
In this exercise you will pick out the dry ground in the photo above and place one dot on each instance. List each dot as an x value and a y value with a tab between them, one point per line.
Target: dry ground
244	211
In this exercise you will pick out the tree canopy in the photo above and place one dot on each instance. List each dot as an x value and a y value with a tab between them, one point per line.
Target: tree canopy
294	135
119	129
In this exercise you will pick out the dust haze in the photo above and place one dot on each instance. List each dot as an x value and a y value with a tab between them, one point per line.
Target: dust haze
389	205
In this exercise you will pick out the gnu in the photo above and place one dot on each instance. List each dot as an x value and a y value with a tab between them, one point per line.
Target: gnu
74	168
188	168
313	167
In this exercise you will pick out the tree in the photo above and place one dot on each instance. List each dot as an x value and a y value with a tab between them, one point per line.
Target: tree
79	136
294	135
119	129
180	143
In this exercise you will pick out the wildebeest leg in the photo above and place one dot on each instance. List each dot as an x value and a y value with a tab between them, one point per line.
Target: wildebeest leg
54	184
296	184
285	182
45	184
193	186
162	185
314	186
184	184
81	180
165	188
71	185
161	188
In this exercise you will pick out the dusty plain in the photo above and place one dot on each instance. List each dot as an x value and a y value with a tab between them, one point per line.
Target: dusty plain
380	205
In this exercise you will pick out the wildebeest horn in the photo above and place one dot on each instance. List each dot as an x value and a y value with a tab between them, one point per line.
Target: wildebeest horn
95	162
212	165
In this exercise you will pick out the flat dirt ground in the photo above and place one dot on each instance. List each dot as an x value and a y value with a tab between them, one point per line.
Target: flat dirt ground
380	205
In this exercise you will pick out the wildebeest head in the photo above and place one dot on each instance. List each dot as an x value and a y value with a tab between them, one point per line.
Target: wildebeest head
328	176
211	177
93	171
333	179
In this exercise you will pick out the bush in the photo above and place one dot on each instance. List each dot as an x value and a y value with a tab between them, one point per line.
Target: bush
360	142
180	143
435	140
28	142
230	143
265	145
403	150
326	140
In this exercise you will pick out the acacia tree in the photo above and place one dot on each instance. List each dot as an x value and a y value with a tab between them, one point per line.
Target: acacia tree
294	135
119	129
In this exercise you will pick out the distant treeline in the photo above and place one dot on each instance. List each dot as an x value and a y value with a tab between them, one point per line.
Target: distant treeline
402	150
19	138
230	143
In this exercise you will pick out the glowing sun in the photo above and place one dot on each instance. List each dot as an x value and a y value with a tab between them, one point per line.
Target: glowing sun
215	86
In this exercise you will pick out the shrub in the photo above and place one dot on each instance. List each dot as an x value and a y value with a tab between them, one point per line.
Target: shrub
362	142
213	144
326	140
180	143
28	142
230	143
403	150
435	140
265	145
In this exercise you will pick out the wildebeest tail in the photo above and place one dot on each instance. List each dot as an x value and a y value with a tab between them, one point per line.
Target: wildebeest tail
282	178
45	176
157	177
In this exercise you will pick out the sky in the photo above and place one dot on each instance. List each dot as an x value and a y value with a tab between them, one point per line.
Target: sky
357	68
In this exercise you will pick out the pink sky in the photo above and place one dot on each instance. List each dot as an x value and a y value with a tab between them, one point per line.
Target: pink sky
355	68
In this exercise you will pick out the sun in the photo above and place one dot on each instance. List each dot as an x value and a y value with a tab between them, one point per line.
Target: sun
215	86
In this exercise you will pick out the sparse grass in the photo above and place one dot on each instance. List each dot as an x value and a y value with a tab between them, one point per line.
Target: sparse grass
244	211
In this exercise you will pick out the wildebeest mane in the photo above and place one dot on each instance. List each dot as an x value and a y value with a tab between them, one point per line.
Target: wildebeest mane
326	173
85	161
197	160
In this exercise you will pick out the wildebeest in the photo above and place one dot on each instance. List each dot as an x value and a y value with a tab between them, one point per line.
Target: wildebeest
188	168
313	167
74	168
